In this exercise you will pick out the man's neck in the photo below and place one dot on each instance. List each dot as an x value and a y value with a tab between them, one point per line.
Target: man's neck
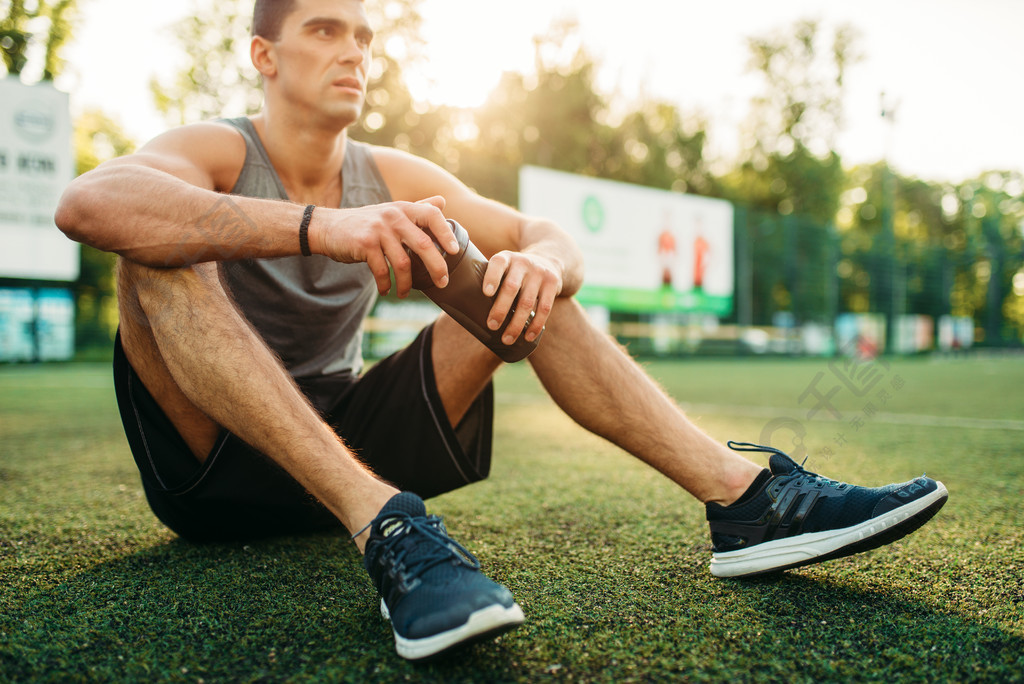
307	159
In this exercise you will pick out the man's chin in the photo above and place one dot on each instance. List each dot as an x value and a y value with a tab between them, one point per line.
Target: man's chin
341	118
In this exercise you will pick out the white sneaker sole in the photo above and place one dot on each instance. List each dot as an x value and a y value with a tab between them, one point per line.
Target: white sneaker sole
486	622
802	549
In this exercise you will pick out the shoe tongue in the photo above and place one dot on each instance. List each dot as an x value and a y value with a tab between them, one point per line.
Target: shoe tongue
403	502
781	464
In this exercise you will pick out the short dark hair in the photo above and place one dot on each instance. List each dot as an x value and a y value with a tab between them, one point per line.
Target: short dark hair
268	16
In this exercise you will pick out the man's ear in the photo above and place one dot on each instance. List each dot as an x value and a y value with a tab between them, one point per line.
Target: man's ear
263	56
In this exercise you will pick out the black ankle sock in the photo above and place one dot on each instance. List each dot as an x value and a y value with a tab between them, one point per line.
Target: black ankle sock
754	488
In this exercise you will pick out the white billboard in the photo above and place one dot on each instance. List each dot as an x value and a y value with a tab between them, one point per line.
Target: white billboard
36	163
646	250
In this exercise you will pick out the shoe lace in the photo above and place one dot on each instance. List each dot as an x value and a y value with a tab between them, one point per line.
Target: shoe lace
421	543
799	472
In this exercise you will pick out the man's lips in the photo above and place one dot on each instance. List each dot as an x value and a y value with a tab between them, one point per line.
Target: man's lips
352	83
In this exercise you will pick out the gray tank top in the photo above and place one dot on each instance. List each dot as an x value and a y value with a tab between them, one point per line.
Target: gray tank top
309	310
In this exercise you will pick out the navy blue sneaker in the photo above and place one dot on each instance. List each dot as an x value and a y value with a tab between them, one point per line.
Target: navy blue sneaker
431	587
791	517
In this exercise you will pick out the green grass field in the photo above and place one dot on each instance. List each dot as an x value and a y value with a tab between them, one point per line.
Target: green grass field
608	560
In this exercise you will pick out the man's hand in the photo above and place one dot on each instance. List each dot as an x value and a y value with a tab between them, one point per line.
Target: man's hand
537	280
378	235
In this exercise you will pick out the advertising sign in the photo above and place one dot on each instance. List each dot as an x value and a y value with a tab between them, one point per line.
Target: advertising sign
645	250
36	163
36	325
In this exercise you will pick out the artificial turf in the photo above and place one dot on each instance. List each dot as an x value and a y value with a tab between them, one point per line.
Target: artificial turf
608	559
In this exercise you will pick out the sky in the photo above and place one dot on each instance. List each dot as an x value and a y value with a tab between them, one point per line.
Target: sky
950	69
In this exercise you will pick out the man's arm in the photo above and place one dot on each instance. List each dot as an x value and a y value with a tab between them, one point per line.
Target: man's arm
537	259
163	206
166	206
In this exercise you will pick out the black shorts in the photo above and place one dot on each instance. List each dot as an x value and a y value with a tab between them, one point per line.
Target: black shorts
391	416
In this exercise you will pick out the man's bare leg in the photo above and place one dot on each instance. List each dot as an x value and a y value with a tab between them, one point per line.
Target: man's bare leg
598	385
206	367
462	367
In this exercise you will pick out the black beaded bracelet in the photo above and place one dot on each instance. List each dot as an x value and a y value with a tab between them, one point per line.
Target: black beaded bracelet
307	215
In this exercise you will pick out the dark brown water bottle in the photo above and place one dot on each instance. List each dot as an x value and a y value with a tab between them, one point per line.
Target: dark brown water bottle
464	299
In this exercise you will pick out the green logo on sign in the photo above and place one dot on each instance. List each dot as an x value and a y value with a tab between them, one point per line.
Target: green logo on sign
593	214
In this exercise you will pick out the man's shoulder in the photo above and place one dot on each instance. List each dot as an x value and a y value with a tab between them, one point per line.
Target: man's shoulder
214	147
411	178
396	163
220	131
382	152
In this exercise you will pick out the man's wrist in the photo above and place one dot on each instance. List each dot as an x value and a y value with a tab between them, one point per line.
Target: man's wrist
307	216
315	232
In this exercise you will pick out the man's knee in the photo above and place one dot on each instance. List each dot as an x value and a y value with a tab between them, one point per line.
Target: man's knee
147	296
566	317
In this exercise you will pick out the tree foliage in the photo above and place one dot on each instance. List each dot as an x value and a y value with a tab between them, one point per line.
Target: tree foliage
47	24
556	118
959	248
222	80
790	164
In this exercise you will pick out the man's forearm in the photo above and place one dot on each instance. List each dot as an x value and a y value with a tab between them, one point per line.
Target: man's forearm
156	219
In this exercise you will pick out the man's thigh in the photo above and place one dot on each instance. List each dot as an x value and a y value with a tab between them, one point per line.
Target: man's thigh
145	307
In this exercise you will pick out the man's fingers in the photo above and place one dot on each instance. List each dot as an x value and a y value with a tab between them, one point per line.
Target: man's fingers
496	284
496	267
528	284
524	305
406	227
433	220
401	263
420	244
542	309
381	273
436	200
380	234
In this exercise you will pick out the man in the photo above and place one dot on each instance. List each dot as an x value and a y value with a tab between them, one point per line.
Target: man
252	249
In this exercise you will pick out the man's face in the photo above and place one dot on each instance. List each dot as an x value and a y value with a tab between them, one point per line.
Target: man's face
322	58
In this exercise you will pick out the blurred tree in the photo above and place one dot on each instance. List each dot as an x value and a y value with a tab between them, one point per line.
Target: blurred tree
398	43
27	24
547	120
790	165
218	79
958	248
556	118
992	210
97	139
789	168
661	149
391	118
